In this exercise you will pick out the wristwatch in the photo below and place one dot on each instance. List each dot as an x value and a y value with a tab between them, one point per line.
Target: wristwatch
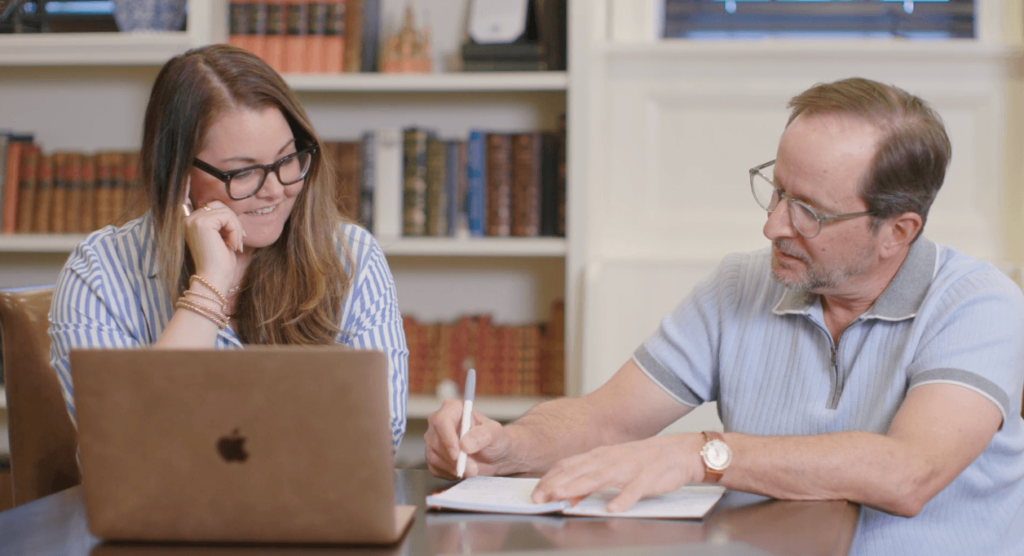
716	455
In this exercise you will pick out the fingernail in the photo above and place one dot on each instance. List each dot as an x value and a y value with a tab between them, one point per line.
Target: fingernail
244	234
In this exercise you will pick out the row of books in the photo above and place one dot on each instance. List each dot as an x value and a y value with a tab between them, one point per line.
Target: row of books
308	36
66	191
412	183
509	360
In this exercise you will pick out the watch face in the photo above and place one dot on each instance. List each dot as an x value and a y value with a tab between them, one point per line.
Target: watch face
716	455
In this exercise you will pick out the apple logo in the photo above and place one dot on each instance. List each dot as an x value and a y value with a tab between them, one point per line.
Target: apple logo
231	448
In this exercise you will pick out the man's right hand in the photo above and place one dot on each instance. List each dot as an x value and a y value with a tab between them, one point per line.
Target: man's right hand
487	444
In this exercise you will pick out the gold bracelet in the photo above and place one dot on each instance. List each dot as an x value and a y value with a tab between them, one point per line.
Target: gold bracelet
223	300
220	320
222	324
224	307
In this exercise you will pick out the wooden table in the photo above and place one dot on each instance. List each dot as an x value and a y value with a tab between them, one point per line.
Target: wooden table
741	524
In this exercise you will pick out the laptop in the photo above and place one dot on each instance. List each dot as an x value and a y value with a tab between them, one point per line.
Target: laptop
265	445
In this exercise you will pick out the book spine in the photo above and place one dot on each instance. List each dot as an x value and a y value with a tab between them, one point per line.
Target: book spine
44	195
526	183
74	200
9	207
134	195
4	142
315	61
353	35
27	178
334	38
451	184
58	214
239	18
414	190
371	35
368	179
499	185
103	196
387	215
548	184
297	35
277	30
258	16
554	368
437	204
348	179
87	222
476	192
560	190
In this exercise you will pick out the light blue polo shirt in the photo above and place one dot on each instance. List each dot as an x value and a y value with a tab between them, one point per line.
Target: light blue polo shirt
764	354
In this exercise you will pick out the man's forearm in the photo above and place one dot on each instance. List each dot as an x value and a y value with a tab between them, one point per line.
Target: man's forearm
867	468
551	431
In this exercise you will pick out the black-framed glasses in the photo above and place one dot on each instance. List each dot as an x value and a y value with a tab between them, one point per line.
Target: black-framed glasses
246	182
806	221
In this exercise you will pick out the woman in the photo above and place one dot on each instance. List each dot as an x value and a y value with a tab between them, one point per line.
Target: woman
243	243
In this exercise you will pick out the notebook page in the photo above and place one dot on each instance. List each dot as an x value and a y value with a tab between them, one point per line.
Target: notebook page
690	502
493	494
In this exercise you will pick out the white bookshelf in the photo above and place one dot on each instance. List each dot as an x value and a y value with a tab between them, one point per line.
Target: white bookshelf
498	408
514	279
107	49
402	247
433	82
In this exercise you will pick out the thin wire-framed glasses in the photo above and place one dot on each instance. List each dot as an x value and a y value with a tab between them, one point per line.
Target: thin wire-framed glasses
806	221
246	182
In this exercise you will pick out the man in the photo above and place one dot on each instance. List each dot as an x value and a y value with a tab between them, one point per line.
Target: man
854	360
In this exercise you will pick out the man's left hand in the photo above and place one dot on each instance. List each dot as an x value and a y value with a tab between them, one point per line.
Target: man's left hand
643	468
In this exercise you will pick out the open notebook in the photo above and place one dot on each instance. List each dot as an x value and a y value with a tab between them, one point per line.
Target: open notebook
512	496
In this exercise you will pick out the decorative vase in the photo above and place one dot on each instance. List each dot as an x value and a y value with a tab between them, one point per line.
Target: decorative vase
149	15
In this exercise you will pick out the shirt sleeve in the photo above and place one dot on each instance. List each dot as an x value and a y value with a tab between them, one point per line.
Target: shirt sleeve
975	338
372	321
88	310
682	355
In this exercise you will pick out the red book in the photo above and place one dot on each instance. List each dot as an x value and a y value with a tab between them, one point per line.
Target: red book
27	178
315	44
9	214
277	28
334	37
297	35
353	35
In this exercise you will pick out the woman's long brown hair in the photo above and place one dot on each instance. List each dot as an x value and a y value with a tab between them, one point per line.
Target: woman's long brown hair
292	291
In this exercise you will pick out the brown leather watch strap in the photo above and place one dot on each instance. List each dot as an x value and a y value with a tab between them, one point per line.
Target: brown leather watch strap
712	475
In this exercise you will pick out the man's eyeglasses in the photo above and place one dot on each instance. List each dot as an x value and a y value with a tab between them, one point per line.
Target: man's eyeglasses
806	221
246	182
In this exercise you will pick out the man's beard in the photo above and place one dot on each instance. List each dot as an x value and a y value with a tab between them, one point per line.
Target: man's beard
817	276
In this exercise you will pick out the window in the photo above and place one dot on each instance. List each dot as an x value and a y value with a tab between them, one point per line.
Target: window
813	18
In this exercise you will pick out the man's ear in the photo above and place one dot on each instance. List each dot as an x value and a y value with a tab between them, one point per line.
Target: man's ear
902	230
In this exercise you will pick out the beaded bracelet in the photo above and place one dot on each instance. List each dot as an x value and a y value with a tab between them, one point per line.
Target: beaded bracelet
224	307
201	280
219	319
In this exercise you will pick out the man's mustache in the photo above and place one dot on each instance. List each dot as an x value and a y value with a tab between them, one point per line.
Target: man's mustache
786	247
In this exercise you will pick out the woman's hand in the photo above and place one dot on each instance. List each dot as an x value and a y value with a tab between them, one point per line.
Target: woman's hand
214	235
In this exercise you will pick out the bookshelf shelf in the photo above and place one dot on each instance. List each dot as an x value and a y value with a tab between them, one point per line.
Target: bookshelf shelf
434	82
403	247
39	243
475	247
499	408
84	49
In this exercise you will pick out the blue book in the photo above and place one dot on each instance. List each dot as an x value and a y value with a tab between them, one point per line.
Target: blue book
476	189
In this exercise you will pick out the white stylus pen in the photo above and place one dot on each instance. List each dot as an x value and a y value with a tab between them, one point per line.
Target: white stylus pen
467	417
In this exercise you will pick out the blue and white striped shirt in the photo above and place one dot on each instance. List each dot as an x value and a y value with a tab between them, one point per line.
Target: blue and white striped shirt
764	353
109	295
